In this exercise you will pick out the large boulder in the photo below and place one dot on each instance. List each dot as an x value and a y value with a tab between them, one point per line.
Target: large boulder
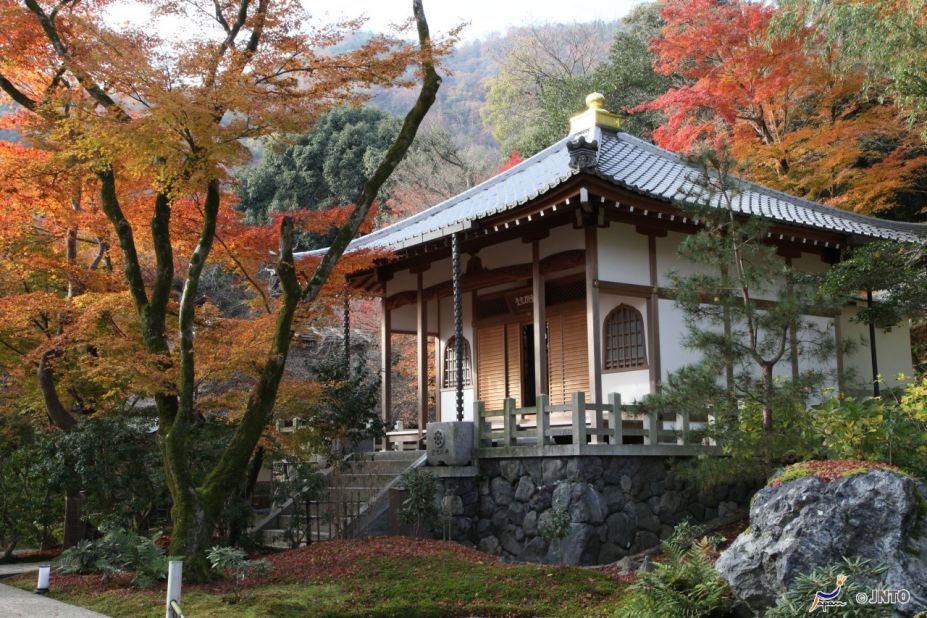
808	522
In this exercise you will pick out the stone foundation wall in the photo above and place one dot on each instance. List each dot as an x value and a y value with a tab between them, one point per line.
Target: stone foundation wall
605	507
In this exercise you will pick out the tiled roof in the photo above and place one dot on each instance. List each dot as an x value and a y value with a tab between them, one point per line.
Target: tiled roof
643	168
631	163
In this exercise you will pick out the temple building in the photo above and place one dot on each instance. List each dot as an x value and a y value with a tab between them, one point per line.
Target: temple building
552	277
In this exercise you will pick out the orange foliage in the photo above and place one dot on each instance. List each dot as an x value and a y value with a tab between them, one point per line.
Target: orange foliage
169	116
791	122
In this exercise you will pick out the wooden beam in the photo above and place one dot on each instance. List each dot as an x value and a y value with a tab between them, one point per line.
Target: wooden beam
653	317
645	291
422	341
793	328
593	327
838	339
437	358
490	277
386	366
540	322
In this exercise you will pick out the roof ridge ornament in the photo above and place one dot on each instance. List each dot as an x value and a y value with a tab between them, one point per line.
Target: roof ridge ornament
595	116
584	154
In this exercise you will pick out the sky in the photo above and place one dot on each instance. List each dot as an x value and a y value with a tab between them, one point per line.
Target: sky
485	16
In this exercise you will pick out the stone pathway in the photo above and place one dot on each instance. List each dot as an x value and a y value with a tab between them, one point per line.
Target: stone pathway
19	567
19	603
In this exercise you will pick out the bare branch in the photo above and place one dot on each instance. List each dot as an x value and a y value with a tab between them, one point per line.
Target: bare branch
431	81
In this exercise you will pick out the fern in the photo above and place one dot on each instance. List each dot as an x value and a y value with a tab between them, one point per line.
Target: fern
683	584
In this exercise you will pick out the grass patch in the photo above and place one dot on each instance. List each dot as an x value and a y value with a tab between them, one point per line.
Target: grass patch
830	470
392	576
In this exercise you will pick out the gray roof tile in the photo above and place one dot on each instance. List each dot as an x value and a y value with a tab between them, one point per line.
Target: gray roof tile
631	163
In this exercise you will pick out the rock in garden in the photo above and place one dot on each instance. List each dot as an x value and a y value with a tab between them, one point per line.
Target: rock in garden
808	522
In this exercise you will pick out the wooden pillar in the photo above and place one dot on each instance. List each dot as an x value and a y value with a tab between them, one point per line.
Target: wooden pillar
422	321
346	328
653	316
793	328
838	340
873	352
386	366
593	327
540	322
438	358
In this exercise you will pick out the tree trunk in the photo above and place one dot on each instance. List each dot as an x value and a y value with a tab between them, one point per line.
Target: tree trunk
768	392
196	511
57	413
239	524
9	549
74	526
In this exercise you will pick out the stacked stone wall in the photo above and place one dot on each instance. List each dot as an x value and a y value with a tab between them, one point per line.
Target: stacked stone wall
577	510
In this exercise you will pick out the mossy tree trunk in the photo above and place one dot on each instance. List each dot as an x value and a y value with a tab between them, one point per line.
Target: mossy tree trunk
197	506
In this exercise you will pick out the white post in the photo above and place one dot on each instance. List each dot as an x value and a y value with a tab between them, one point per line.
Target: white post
682	427
478	408
174	577
579	422
614	419
508	421
652	421
41	587
543	420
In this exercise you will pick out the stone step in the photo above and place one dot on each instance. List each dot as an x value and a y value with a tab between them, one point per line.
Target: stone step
276	537
363	479
409	456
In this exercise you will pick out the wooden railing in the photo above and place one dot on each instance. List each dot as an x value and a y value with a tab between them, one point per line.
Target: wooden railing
581	427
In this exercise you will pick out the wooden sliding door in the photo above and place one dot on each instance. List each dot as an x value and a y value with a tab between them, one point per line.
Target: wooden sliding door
567	358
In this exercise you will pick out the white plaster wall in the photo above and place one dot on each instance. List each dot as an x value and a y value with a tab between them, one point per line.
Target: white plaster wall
893	350
810	263
563	238
632	385
405	318
448	397
623	255
673	354
824	327
668	260
401	282
440	271
505	254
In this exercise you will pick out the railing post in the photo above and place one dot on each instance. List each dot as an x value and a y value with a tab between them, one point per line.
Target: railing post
615	418
508	421
543	420
579	421
653	428
478	408
174	578
682	427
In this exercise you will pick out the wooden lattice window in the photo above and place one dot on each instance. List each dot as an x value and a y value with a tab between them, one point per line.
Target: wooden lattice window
450	363
624	337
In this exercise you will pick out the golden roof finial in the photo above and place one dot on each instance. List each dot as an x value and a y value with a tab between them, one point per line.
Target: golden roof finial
596	100
595	116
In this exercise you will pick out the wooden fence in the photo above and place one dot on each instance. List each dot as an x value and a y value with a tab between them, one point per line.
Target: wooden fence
581	428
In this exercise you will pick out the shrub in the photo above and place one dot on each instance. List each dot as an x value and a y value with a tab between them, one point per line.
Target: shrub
888	430
30	503
418	507
302	484
554	524
684	583
118	551
862	576
231	563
